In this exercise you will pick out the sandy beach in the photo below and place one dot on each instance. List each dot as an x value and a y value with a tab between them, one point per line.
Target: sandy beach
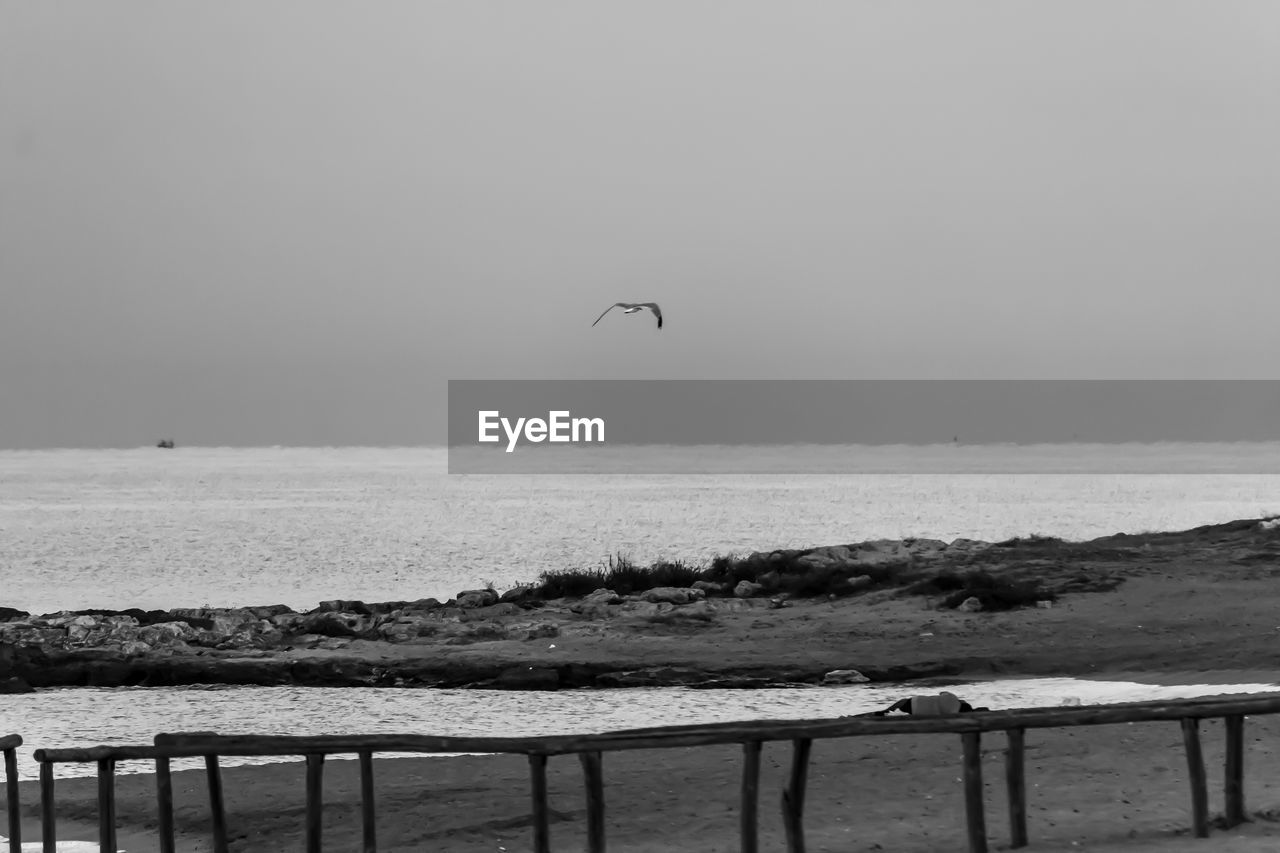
1108	788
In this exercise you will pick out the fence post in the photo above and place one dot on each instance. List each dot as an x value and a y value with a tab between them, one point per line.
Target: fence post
216	808
1234	811
594	776
750	794
106	805
1195	767
11	796
315	801
793	796
1015	781
164	798
48	820
538	774
974	817
367	815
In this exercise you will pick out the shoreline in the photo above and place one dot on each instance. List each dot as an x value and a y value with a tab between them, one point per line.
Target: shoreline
1001	693
1103	788
1151	603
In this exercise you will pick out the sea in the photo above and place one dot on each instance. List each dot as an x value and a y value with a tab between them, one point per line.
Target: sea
215	526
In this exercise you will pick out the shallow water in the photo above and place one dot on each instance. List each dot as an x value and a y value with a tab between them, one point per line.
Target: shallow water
68	717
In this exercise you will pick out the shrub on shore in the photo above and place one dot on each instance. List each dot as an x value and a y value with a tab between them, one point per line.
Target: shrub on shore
776	576
995	593
622	576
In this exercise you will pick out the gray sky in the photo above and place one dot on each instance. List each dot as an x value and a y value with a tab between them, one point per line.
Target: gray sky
279	222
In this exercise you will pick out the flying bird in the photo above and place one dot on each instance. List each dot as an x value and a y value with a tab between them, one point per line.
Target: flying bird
633	307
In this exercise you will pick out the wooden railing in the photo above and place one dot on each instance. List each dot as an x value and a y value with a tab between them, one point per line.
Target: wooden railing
590	749
9	745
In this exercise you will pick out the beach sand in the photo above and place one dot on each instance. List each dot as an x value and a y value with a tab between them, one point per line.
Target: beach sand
1119	787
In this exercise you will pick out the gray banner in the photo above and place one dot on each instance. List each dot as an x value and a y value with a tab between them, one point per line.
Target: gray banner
838	426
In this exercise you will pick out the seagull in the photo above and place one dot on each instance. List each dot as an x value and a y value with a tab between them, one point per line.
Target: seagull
633	307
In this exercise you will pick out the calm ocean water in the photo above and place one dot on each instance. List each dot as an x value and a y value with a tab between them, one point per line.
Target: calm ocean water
193	526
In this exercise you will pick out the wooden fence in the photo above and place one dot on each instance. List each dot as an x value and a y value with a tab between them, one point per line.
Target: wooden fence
590	749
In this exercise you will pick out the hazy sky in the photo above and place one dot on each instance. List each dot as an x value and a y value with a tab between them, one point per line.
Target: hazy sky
269	222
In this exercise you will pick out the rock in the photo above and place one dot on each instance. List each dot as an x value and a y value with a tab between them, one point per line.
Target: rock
778	603
596	604
827	556
220	622
970	605
270	610
262	635
879	551
167	634
422	605
1044	605
80	627
603	596
382	608
777	557
493	611
517	595
342	606
330	624
967	546
477	598
844	676
26	634
404	629
708	586
925	548
134	648
8	614
746	589
672	595
15	685
289	623
859	581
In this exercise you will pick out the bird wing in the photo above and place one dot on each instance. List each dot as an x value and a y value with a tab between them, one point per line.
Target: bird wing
610	308
657	312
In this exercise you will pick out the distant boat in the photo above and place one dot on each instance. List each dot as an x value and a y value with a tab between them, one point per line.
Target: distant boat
166	443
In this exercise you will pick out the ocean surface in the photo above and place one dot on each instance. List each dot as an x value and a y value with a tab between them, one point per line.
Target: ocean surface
192	526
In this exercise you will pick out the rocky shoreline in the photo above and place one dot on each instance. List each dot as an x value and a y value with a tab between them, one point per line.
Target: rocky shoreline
894	599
